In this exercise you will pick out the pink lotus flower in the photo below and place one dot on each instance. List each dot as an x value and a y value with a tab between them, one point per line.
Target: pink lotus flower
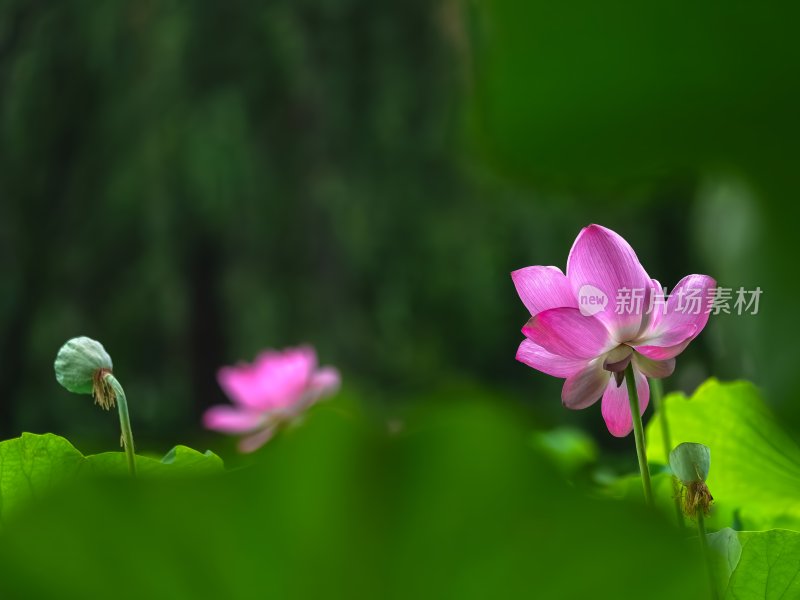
578	332
277	388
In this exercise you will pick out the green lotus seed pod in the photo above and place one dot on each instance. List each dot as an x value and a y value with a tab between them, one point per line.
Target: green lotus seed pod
79	364
690	462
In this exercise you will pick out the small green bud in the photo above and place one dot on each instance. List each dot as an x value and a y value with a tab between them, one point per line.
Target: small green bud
81	366
690	462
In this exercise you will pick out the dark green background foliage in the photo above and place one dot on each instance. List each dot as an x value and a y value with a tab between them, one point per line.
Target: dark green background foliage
190	182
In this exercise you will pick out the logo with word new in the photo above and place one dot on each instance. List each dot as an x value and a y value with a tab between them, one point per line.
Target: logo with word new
591	300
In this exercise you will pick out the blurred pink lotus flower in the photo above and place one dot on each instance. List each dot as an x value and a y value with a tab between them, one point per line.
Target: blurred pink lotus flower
277	388
578	332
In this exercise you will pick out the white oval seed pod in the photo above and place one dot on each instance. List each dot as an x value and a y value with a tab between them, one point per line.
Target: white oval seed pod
690	462
77	363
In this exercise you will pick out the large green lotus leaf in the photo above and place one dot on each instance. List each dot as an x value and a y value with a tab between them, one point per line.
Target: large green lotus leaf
181	460
755	465
758	565
454	504
32	464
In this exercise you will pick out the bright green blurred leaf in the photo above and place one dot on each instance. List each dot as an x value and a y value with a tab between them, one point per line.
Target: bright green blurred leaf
757	565
32	464
756	471
456	505
179	461
571	449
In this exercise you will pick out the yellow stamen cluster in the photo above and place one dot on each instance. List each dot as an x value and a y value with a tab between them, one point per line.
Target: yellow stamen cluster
102	392
696	497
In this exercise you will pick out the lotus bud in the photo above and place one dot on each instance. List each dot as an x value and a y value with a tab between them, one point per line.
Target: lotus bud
690	463
81	367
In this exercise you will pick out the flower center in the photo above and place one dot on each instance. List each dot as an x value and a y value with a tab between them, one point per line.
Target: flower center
617	360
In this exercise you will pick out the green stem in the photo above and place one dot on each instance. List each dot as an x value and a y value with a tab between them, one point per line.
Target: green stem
701	528
124	422
657	394
638	432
